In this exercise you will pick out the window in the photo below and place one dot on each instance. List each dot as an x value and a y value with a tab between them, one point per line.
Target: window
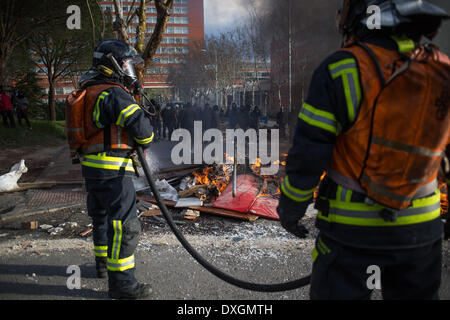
68	90
181	30
152	19
177	40
178	20
150	9
180	10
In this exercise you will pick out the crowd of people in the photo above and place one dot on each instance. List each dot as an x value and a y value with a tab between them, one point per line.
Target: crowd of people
16	104
177	115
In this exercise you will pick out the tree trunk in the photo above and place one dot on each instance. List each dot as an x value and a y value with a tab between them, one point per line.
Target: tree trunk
51	101
140	37
163	10
2	71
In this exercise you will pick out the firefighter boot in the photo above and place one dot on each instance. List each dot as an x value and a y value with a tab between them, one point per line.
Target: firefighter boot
133	292
100	266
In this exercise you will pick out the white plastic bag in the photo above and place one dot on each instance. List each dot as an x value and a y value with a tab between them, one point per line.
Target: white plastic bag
166	191
8	182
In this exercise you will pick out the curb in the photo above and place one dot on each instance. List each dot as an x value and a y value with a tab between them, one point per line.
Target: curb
11	216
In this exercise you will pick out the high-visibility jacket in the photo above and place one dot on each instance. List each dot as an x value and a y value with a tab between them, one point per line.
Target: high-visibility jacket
99	138
394	149
337	105
113	122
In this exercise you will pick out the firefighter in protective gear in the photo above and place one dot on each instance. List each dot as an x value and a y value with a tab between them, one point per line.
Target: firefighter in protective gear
376	120
114	125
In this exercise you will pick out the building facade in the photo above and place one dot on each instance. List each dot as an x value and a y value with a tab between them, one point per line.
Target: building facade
184	31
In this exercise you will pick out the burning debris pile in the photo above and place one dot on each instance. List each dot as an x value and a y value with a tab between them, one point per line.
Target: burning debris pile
229	189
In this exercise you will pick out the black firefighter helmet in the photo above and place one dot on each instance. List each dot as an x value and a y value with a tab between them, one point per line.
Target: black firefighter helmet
416	17
117	60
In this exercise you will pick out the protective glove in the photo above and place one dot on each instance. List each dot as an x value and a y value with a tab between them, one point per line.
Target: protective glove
290	213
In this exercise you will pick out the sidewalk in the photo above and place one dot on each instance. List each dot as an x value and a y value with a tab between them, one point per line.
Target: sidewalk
68	190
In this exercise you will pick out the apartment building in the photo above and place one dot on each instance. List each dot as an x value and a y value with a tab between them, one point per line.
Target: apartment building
185	29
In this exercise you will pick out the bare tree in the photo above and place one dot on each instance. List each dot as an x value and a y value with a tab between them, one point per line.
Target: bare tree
18	22
55	55
120	25
192	78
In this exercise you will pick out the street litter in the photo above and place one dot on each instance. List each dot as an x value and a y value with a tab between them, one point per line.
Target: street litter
191	214
188	202
8	181
55	231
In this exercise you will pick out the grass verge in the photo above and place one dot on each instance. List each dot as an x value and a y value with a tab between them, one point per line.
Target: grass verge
43	133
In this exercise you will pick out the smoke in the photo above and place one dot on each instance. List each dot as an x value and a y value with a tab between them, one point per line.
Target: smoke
443	38
222	16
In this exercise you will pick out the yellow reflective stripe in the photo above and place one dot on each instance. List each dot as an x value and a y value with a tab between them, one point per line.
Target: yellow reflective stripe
323	246
361	214
96	114
120	264
117	239
347	69
343	194
339	68
314	254
125	113
101	161
101	251
145	141
319	118
404	43
295	193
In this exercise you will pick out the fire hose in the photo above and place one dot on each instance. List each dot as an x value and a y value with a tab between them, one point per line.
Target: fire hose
295	284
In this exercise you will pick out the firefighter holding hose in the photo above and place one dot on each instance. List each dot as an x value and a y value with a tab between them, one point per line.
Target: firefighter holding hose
377	119
104	125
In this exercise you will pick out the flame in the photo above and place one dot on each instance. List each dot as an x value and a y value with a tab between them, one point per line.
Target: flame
209	176
229	159
316	192
444	197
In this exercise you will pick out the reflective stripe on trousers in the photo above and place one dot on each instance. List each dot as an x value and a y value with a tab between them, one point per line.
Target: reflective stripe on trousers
114	263
101	251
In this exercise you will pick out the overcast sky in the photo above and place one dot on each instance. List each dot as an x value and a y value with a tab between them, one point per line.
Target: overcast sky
222	15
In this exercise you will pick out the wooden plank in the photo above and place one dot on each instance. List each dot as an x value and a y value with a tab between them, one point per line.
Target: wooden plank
210	210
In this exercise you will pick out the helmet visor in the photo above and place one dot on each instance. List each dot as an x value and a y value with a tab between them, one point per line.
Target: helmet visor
131	65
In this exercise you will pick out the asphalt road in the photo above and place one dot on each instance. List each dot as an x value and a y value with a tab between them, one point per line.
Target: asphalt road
34	265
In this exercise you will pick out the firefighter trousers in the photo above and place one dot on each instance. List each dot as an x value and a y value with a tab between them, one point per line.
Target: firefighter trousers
343	272
111	204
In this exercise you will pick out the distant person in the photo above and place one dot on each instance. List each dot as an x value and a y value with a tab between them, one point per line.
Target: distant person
188	118
6	109
281	123
165	119
254	118
216	117
169	120
22	104
207	117
156	120
233	116
244	117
